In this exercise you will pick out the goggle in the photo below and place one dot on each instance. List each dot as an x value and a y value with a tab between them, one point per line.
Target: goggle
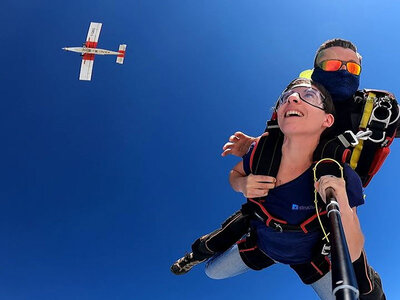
335	65
306	93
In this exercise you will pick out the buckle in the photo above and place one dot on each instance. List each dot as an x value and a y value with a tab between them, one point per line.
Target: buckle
278	227
345	141
326	249
381	114
379	120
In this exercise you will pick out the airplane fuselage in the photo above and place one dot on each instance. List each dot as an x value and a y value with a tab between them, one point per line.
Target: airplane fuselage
87	50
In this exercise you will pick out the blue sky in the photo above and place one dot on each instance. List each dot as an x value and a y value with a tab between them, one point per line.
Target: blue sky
103	184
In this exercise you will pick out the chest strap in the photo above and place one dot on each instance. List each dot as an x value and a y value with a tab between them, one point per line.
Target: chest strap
256	208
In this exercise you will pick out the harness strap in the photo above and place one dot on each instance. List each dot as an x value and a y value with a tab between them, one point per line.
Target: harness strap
266	158
261	213
369	104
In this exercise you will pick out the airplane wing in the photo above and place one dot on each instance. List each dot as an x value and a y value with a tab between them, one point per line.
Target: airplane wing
86	67
88	59
93	35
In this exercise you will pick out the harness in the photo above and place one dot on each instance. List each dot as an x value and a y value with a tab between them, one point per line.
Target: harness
375	120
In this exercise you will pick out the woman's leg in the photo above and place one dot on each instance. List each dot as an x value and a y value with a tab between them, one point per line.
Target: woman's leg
226	264
323	287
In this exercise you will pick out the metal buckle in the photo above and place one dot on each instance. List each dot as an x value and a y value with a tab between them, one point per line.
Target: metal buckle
346	143
385	108
278	227
326	249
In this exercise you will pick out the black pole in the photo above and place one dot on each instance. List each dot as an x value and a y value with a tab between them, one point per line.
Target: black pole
344	282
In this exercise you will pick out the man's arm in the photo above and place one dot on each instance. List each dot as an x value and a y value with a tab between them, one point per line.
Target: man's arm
238	145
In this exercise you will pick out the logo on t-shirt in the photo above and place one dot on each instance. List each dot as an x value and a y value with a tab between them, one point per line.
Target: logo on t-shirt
302	207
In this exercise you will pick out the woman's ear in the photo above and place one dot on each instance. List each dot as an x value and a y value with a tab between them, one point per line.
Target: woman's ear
329	120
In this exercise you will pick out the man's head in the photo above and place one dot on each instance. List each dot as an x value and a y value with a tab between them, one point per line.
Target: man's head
337	49
337	66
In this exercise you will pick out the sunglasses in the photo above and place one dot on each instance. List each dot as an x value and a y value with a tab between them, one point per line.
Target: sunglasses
335	65
306	93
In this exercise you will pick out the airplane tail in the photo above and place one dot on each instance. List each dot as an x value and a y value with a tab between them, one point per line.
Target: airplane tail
121	56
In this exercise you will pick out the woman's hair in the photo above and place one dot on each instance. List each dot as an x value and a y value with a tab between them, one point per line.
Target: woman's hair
328	103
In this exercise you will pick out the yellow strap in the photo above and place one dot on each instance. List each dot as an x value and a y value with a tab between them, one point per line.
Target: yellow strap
369	105
355	156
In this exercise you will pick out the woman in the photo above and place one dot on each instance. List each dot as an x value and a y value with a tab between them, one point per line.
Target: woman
304	112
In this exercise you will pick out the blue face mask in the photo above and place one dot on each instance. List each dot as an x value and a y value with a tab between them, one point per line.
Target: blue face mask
340	84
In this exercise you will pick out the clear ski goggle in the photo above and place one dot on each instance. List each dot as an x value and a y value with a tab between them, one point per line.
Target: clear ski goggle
306	92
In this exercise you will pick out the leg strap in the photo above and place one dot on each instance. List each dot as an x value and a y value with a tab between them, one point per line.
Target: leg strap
314	270
220	240
251	255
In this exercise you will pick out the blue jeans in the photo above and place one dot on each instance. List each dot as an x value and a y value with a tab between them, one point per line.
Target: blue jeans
229	264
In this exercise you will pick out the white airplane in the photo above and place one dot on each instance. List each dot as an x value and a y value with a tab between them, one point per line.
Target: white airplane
89	50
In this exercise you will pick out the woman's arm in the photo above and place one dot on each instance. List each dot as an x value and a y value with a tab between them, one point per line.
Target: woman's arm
351	224
250	186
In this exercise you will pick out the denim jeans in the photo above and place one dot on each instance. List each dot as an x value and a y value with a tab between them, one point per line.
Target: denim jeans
229	264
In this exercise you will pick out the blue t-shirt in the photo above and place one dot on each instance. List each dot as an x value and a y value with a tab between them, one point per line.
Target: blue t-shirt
294	203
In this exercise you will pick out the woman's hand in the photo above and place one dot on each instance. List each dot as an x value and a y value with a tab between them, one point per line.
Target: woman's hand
339	187
254	186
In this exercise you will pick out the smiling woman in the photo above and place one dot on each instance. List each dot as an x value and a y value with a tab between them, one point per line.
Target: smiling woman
304	111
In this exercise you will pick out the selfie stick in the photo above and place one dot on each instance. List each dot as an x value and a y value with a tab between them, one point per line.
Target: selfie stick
344	282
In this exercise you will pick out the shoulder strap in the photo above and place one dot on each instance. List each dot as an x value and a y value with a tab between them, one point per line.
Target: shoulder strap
268	154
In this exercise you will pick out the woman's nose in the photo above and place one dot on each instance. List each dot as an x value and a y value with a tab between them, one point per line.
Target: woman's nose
294	97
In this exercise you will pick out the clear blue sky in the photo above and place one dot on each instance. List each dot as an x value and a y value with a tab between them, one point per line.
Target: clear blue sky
103	184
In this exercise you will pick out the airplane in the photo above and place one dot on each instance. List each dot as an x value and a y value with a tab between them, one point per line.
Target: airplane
89	50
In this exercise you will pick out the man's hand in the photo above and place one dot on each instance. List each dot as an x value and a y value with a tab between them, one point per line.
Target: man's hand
257	185
238	144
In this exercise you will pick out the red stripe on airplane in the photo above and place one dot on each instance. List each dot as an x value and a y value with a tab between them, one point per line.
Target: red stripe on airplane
91	44
122	53
87	56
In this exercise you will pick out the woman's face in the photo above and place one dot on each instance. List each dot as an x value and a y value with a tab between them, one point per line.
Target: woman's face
301	111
